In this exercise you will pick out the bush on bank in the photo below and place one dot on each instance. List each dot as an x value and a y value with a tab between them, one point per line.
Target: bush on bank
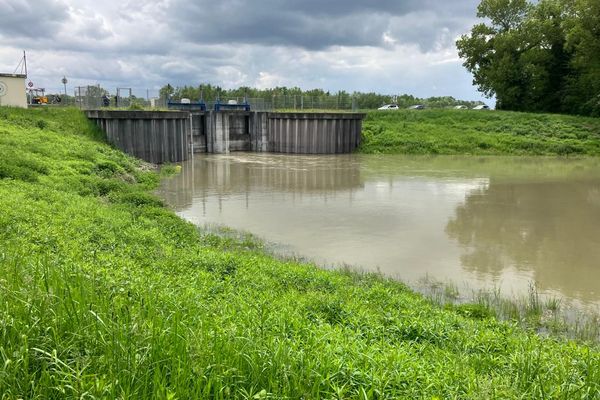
104	293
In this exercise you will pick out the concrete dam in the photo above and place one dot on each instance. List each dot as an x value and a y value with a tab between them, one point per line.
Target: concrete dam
173	136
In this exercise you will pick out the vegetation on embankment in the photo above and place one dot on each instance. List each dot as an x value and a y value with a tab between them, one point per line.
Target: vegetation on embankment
479	133
104	293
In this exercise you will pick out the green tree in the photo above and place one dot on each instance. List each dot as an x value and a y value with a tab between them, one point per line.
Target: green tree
295	97
542	56
96	91
493	52
166	91
583	39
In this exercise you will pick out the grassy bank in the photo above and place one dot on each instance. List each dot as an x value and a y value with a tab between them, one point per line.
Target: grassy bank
104	293
479	132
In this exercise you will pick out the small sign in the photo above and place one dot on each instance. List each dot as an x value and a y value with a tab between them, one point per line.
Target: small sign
30	84
64	80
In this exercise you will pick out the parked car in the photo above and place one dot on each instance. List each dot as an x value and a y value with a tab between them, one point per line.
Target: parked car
481	107
389	107
417	107
461	107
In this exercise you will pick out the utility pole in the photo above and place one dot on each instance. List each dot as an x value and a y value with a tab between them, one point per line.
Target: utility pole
25	62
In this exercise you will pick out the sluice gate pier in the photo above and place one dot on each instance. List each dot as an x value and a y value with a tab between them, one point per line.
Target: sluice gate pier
173	136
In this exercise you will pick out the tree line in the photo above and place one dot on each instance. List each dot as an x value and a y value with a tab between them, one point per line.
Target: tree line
343	99
541	56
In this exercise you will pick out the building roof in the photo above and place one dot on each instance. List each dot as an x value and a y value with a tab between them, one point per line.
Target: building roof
2	75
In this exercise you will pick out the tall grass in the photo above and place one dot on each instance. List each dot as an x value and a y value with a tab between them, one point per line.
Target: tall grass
104	293
479	132
545	315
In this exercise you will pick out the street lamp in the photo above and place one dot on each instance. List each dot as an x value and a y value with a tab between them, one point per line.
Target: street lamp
64	82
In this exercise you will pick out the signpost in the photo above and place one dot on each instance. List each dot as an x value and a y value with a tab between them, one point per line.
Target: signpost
30	85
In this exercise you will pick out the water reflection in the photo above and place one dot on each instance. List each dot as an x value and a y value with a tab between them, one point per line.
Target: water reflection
483	221
251	174
548	229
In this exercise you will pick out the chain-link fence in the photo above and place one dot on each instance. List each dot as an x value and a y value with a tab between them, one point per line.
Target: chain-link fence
314	103
124	97
90	97
273	103
96	97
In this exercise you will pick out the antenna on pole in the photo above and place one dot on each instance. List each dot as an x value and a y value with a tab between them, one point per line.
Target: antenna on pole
22	65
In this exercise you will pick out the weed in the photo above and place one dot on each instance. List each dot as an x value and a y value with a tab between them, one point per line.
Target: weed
544	315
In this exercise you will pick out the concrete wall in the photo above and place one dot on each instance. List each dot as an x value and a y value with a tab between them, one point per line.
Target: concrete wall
313	133
300	133
13	93
239	131
259	129
217	132
197	141
158	136
154	136
199	132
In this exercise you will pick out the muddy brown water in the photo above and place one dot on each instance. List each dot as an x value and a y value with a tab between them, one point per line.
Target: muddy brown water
480	222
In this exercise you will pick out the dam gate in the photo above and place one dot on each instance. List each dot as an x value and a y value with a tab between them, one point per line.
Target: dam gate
172	136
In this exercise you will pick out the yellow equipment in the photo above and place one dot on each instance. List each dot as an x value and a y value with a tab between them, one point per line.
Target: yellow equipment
38	96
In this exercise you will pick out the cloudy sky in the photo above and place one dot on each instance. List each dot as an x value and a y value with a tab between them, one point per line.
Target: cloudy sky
387	46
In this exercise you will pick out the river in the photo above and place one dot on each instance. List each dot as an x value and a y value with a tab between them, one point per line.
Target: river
480	222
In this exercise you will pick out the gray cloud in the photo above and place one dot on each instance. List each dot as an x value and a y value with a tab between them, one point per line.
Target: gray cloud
32	19
388	46
315	24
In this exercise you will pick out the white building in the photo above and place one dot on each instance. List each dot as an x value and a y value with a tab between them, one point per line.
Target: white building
12	90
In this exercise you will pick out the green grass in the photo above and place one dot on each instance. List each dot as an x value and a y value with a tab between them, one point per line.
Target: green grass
104	293
479	133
